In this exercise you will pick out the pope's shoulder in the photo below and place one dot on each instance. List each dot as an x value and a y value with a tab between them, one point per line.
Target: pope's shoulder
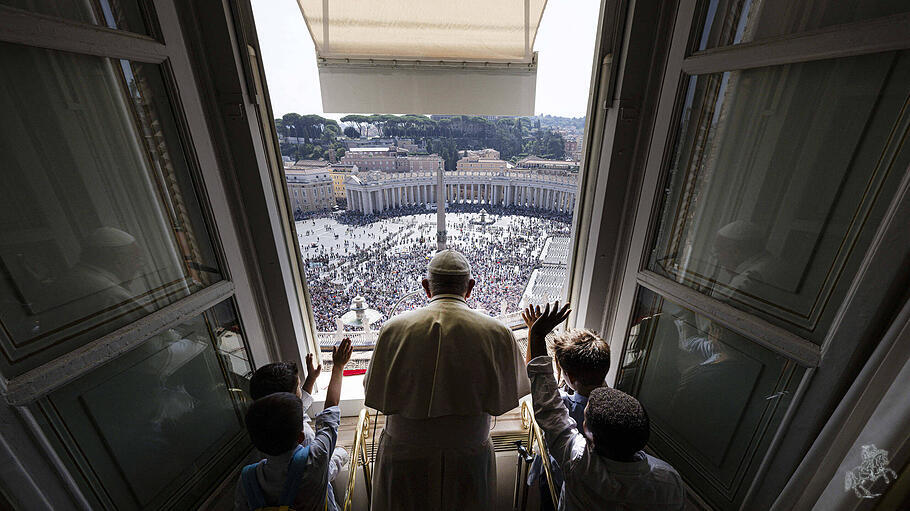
467	317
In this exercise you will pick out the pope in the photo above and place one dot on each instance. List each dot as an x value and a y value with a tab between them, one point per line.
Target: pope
440	373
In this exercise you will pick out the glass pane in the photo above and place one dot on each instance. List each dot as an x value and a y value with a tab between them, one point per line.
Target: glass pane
729	22
120	14
714	397
231	348
154	423
779	178
99	220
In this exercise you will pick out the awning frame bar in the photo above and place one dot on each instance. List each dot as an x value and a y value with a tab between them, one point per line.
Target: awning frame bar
528	29
323	60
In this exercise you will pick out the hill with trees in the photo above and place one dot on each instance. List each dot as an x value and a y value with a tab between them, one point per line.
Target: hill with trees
513	137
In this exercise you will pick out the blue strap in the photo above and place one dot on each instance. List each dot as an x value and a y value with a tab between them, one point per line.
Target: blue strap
295	473
254	496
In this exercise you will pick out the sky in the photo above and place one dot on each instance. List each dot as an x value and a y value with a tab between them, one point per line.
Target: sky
565	46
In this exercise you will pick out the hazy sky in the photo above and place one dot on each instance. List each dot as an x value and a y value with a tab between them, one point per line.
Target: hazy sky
565	46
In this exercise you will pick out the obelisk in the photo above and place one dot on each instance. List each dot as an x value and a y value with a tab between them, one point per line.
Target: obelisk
440	209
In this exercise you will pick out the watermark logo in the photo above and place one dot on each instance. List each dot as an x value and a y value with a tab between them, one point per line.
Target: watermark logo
873	467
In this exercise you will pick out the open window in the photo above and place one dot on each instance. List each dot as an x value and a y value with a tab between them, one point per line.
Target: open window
501	188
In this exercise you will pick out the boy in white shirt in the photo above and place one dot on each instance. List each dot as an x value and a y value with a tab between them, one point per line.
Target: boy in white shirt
602	462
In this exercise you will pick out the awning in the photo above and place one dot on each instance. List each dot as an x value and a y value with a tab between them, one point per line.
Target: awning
426	56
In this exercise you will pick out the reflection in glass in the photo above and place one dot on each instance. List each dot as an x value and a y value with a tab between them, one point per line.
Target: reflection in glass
99	220
119	14
779	177
714	397
729	22
148	420
231	348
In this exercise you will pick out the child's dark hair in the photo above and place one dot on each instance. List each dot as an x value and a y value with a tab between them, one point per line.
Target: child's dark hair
582	354
618	423
271	378
274	422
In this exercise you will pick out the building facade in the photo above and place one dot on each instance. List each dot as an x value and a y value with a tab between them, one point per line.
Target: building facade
367	159
546	166
340	173
424	163
390	159
476	164
488	153
373	192
310	189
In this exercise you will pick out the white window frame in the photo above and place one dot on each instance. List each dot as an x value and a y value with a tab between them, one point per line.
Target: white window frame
31	450
36	30
610	258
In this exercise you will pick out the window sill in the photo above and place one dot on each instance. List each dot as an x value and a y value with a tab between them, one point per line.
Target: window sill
351	394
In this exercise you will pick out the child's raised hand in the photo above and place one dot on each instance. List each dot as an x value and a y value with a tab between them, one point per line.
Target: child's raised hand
341	354
313	368
530	315
543	322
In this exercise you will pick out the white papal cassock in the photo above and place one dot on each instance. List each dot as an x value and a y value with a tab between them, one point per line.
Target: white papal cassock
440	373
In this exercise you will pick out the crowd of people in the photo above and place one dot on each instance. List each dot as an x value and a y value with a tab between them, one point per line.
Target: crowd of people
384	256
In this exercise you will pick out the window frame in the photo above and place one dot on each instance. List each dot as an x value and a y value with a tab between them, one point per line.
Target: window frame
828	43
623	266
37	30
35	453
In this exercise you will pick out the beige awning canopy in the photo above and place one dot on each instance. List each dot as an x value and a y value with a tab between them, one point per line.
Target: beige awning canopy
426	56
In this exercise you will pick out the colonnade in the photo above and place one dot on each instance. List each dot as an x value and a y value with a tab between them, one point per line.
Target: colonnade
377	192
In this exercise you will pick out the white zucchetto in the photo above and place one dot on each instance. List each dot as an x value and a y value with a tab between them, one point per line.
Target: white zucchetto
740	230
449	262
109	237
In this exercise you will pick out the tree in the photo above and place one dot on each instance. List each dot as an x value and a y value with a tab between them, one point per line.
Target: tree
362	121
290	150
281	128
351	132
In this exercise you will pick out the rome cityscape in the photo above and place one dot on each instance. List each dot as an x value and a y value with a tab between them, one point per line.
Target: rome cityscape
364	194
